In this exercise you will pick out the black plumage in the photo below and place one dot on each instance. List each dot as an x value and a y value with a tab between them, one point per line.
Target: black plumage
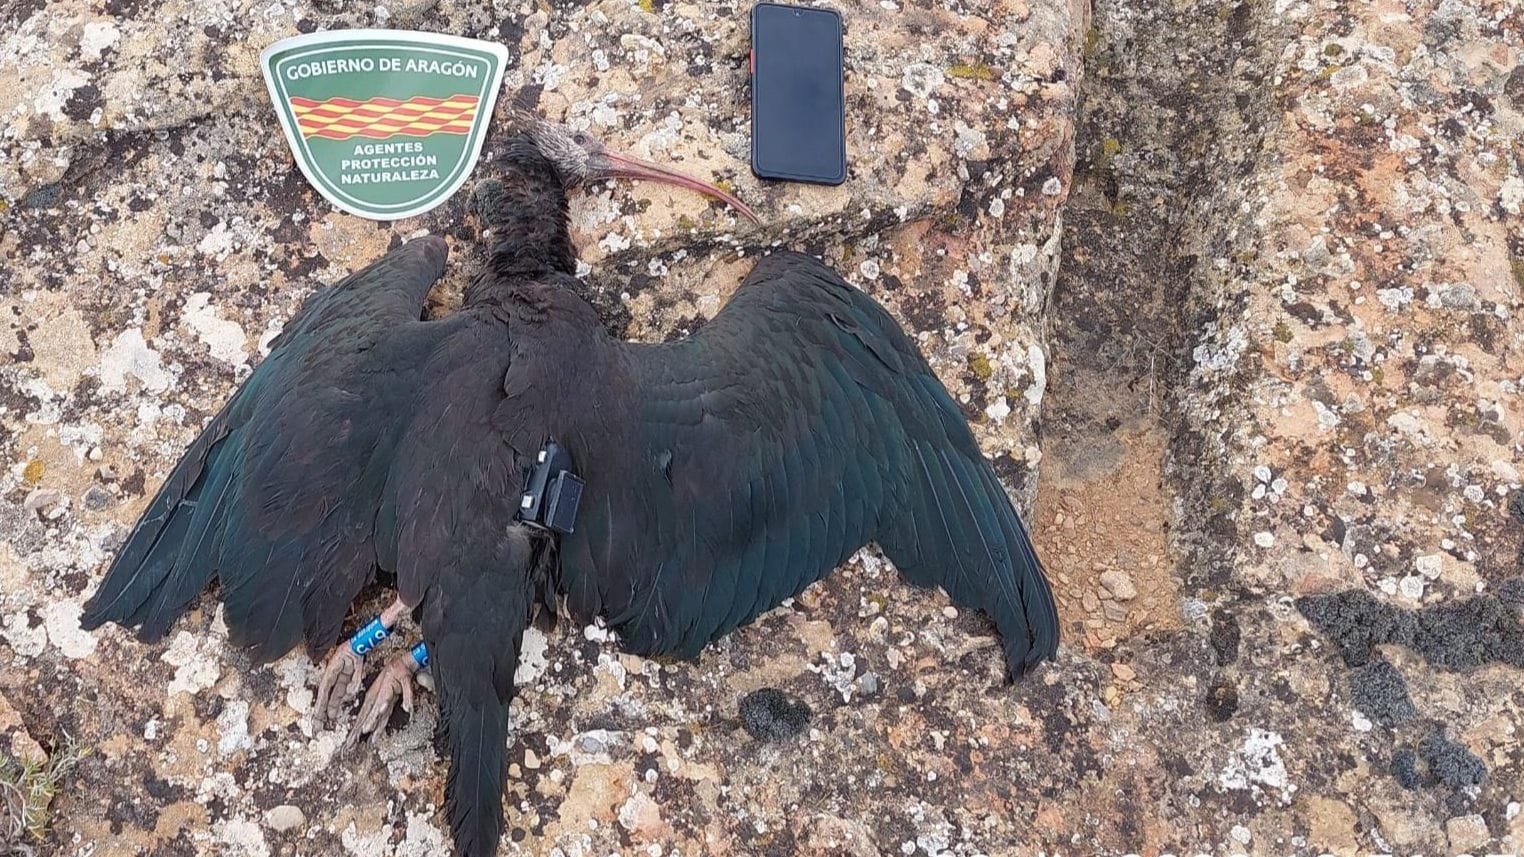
281	494
729	470
724	472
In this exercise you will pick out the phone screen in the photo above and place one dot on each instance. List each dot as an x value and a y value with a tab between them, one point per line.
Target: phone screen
798	127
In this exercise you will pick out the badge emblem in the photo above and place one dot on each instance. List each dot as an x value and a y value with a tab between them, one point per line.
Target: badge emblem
386	124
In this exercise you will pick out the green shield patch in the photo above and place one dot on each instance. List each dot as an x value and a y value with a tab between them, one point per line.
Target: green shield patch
384	123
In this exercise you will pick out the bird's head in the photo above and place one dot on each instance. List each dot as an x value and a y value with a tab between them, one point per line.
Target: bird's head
579	158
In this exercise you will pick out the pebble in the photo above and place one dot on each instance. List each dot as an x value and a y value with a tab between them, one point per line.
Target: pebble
1411	586
1090	602
867	684
1114	611
1119	584
284	817
1429	566
1467	834
1123	672
42	500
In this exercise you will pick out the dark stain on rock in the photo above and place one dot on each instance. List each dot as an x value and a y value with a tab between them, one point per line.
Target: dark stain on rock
1512	591
1457	635
74	582
1012	472
1225	636
770	714
131	813
21	10
24	351
180	846
1437	761
510	31
132	486
1334	532
1306	313
1486	330
45	196
83	102
1380	693
925	310
1222	700
125	8
161	790
685	327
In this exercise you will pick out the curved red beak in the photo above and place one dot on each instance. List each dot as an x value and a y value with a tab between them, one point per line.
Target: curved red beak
611	165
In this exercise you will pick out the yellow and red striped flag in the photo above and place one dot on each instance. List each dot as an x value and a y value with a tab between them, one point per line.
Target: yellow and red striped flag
377	118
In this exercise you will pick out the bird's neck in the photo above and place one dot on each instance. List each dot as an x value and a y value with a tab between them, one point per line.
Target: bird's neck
530	237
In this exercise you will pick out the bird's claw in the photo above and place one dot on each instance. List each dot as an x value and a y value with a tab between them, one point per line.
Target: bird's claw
341	680
395	682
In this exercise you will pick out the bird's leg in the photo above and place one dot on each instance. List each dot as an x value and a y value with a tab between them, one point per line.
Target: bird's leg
394	682
344	668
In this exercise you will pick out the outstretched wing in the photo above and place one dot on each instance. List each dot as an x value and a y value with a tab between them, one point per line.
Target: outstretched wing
280	494
728	471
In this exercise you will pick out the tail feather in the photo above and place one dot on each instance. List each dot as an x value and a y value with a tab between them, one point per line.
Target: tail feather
475	734
474	617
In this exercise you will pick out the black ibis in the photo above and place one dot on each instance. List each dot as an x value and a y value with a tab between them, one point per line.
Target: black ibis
721	473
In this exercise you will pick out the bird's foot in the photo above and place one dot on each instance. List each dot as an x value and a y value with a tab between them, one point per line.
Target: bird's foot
341	680
345	665
395	682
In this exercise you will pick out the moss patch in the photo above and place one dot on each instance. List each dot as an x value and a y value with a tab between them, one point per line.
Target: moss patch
971	71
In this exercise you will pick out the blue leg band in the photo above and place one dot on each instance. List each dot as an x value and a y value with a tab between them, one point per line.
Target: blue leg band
367	638
420	654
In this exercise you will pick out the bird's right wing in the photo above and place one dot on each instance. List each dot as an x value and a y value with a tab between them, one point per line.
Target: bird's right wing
728	471
280	494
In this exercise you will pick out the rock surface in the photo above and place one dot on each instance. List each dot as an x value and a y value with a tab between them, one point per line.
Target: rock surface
1279	487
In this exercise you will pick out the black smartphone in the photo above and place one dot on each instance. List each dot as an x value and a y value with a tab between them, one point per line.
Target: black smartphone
798	109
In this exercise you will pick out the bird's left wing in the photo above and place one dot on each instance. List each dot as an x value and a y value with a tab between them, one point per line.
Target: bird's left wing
728	471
